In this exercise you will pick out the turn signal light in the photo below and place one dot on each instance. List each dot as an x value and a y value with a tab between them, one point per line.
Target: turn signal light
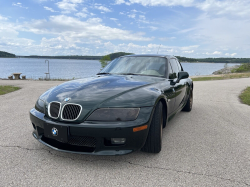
136	129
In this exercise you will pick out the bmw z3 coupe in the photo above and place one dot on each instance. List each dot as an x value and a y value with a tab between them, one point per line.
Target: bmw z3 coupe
120	110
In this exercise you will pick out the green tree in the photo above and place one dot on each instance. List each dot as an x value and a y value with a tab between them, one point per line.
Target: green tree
104	60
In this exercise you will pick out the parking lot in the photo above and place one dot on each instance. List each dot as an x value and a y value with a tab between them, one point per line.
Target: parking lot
210	146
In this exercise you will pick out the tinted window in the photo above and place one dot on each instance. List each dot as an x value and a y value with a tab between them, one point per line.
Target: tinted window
175	68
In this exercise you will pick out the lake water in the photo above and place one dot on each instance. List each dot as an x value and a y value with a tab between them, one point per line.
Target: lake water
68	69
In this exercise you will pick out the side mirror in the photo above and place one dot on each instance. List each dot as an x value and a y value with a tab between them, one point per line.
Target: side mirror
181	75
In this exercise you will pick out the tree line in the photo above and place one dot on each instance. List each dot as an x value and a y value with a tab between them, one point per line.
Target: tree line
4	54
75	57
112	56
214	60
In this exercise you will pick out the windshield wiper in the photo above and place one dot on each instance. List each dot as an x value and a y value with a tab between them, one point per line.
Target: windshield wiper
104	73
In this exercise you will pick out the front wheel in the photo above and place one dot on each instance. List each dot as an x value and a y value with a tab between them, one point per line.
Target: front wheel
189	104
154	140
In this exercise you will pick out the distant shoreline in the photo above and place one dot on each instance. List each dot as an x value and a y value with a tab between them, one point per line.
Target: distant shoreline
51	58
82	58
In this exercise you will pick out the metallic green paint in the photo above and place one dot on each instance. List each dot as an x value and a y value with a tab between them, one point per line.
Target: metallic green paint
113	91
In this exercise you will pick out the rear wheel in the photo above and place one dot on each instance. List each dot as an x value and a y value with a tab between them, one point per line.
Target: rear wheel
189	104
154	140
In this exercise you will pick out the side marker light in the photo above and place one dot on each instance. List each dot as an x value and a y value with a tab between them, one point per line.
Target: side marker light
136	129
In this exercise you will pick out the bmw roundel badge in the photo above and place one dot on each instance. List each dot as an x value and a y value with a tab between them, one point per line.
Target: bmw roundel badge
54	131
67	99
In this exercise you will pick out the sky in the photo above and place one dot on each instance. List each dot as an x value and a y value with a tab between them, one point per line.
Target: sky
189	28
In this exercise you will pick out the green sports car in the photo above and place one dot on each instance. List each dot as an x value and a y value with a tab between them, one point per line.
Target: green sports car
120	110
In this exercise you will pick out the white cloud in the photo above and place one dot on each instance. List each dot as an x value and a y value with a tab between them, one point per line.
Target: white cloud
3	18
102	8
213	7
153	28
68	6
80	30
119	1
19	5
49	9
232	55
81	15
221	33
9	40
84	10
150	48
226	7
137	11
216	53
187	48
167	39
131	16
186	30
158	2
114	19
189	51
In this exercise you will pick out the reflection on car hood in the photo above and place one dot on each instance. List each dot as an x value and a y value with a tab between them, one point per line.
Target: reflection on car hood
95	90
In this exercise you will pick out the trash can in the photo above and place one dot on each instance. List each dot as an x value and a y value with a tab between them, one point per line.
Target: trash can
47	77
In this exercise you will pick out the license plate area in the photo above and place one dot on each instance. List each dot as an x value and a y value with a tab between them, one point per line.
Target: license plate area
56	132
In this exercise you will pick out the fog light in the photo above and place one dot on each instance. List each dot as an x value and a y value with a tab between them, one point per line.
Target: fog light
118	140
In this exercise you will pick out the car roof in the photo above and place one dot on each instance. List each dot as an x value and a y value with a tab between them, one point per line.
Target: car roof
150	55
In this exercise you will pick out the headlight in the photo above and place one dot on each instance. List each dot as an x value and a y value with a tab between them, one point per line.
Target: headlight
40	105
114	114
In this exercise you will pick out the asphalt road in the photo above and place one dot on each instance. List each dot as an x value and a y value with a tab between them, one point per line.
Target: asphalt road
210	146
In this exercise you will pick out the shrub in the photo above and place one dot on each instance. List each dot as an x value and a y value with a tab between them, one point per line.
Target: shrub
243	68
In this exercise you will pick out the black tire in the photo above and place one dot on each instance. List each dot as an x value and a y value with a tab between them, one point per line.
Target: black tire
153	143
189	104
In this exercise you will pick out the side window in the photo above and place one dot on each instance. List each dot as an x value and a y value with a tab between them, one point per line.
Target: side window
178	64
175	68
170	71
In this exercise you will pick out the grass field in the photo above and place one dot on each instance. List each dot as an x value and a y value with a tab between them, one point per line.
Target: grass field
223	77
245	96
7	89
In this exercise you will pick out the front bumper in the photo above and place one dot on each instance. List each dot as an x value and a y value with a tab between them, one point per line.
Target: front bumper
93	137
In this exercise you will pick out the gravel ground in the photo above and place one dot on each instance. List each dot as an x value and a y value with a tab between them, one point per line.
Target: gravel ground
210	146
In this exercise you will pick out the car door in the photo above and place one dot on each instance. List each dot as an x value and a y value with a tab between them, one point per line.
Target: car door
170	91
180	87
183	85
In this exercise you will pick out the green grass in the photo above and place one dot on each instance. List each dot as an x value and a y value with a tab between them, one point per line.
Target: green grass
7	89
207	78
245	96
223	77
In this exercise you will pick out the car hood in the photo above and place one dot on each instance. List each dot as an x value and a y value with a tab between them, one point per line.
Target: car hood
96	92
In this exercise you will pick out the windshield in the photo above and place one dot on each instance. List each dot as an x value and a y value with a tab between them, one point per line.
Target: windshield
152	66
